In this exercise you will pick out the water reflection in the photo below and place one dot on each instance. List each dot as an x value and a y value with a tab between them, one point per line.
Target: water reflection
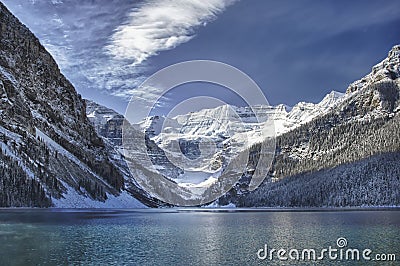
173	237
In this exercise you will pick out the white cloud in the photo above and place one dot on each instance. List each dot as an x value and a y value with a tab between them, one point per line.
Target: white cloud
159	25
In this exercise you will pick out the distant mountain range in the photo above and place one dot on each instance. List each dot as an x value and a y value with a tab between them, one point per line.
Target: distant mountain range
342	151
60	150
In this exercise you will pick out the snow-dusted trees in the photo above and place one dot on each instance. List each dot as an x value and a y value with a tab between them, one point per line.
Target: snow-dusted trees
16	188
349	156
374	181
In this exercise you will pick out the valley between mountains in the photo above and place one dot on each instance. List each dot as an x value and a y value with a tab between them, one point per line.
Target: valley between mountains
59	150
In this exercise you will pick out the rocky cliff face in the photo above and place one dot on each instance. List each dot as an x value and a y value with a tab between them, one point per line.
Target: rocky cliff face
50	151
107	122
108	125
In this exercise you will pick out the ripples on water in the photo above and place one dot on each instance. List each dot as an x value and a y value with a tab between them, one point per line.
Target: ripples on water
185	236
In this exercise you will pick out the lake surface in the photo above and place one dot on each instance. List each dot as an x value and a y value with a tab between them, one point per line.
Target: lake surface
189	236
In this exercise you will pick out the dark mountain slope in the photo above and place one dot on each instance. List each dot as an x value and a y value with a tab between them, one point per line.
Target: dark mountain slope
44	128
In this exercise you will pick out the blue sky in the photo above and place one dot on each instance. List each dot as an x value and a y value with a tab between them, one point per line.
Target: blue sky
295	50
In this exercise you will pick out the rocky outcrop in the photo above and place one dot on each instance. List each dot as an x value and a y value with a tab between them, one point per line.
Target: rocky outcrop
108	124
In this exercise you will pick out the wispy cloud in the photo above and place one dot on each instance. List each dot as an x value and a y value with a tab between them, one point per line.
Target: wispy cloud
107	47
103	45
159	25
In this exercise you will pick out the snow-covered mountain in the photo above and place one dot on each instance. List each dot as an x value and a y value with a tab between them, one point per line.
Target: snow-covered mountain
215	122
309	136
58	150
107	122
50	153
231	129
304	112
228	130
346	156
387	70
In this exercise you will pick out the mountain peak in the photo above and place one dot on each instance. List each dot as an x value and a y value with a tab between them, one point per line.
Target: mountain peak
283	108
387	70
331	99
395	52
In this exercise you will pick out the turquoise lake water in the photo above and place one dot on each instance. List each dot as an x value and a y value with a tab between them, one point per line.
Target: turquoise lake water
191	236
